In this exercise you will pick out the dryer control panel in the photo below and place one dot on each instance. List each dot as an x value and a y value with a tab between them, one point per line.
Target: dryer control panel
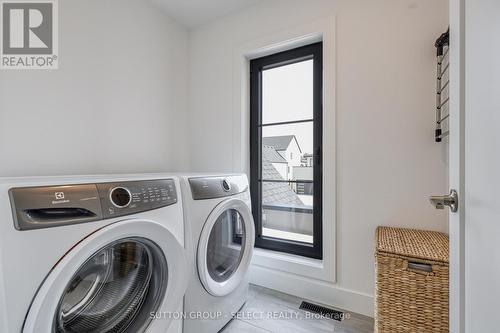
203	188
52	206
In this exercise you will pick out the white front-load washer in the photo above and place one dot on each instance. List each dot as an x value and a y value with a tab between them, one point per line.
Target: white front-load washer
91	254
220	236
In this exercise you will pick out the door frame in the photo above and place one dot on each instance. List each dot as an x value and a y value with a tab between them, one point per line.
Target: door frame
456	164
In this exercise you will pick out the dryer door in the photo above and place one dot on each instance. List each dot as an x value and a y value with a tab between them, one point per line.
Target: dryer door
225	247
113	281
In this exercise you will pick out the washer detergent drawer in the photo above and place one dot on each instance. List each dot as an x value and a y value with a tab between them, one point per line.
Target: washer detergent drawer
51	206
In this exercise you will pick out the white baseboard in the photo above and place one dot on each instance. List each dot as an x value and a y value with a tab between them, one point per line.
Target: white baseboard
312	290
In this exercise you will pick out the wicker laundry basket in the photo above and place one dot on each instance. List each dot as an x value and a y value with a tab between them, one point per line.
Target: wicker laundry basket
411	290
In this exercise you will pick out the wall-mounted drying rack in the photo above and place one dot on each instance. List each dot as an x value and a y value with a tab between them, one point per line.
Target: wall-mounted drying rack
442	86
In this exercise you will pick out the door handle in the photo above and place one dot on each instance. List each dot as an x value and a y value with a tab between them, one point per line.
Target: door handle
450	200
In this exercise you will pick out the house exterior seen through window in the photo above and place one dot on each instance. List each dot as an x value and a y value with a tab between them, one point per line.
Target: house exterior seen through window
286	141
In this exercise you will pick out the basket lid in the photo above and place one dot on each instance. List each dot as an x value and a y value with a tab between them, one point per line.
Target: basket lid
412	243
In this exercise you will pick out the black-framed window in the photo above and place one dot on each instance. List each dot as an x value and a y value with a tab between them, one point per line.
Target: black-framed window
286	96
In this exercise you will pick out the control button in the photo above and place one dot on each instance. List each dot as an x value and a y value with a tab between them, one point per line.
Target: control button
120	197
226	185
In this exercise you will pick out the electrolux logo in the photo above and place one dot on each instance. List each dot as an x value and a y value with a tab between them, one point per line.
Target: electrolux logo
29	34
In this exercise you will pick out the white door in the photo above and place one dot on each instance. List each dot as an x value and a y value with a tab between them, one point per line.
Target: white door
225	247
475	165
112	281
482	165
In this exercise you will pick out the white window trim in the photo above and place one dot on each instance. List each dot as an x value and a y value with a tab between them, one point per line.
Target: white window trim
321	30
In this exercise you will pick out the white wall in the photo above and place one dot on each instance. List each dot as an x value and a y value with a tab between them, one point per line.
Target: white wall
387	162
118	102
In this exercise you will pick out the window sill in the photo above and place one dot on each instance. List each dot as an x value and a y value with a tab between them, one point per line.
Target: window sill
294	264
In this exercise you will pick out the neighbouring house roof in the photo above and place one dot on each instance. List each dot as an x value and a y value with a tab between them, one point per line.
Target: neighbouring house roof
278	193
271	155
280	142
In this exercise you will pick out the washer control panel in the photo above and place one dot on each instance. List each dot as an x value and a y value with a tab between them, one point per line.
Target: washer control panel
58	205
136	196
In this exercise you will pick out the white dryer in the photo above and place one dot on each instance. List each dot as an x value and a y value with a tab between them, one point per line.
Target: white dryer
91	254
220	236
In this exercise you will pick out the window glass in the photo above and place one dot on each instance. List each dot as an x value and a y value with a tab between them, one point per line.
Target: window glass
287	93
286	126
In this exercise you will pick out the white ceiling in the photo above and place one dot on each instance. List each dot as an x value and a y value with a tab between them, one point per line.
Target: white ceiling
193	13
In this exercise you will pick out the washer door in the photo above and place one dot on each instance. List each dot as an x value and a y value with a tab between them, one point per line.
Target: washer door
112	282
225	247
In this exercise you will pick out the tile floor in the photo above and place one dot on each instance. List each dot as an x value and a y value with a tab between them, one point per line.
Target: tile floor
287	317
